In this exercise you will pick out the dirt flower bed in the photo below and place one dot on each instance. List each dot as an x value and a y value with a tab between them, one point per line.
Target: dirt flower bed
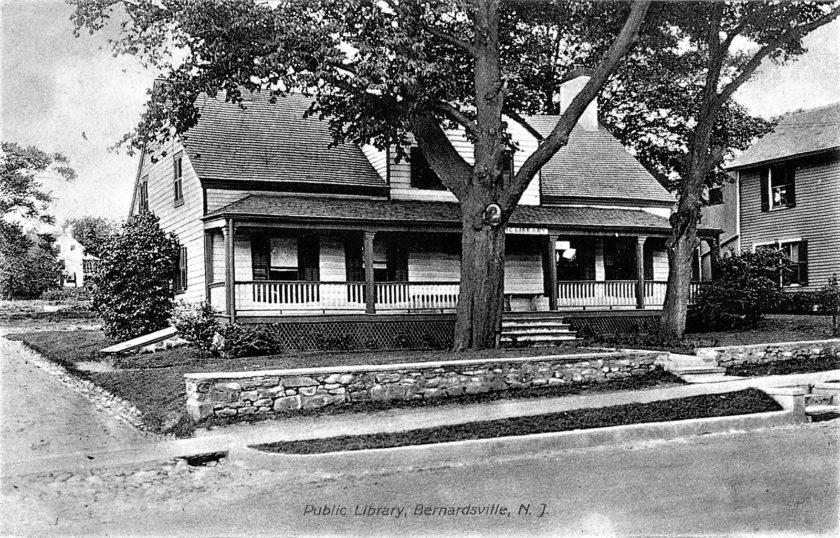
743	402
792	366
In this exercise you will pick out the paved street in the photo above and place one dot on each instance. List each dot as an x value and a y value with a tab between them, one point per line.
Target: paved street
781	480
42	415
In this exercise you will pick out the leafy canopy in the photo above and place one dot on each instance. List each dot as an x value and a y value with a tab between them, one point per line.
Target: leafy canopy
20	189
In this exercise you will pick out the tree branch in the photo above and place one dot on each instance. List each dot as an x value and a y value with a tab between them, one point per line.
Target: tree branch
456	115
440	153
559	136
515	116
452	40
767	49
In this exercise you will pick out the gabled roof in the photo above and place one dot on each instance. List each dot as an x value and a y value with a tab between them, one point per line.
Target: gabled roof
409	212
272	142
798	134
595	165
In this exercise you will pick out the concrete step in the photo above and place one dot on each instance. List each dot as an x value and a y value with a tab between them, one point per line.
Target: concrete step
536	330
708	378
535	323
819	413
506	339
687	369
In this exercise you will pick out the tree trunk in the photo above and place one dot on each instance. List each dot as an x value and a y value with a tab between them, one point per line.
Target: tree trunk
481	300
680	251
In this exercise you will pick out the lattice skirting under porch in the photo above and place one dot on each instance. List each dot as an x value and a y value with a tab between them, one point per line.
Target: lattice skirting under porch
364	334
611	323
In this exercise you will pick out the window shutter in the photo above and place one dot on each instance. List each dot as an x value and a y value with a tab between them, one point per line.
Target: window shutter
353	260
803	263
418	161
259	257
397	263
791	187
309	259
764	185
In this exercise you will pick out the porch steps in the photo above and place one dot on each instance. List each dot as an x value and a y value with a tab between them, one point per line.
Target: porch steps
535	329
823	403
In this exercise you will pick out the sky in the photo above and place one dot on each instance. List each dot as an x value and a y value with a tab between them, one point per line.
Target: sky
71	95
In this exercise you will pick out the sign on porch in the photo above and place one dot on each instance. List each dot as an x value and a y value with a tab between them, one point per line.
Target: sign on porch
526	231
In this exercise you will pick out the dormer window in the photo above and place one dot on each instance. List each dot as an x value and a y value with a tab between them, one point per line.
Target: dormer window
778	188
178	166
422	175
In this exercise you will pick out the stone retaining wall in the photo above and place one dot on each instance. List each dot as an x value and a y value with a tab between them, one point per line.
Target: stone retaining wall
764	353
241	395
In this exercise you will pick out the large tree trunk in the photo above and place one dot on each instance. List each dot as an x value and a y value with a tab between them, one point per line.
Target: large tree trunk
481	300
680	250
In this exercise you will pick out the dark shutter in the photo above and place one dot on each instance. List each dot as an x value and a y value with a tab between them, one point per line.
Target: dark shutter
803	263
648	260
309	259
353	259
397	262
790	177
764	185
259	257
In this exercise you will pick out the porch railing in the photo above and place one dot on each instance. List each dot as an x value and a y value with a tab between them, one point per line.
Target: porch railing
414	296
307	296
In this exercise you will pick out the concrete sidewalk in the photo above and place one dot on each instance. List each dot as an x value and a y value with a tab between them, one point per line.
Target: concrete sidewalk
295	428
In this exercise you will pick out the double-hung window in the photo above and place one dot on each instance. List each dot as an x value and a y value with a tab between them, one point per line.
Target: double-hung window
778	188
144	195
797	270
178	168
422	175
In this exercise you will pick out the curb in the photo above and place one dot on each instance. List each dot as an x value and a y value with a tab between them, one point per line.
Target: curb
435	455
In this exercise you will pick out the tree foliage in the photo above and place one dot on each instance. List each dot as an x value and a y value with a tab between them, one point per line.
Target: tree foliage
92	233
380	73
20	189
132	291
28	264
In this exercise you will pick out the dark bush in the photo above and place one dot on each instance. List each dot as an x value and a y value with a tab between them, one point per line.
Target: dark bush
246	341
797	302
747	286
28	264
132	291
828	301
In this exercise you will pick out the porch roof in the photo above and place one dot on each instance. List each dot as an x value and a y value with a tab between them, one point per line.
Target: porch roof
412	214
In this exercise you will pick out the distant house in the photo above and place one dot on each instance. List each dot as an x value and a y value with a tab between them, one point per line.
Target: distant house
78	266
787	195
273	223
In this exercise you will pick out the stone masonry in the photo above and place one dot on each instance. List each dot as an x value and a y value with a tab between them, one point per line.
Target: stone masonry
764	353
241	395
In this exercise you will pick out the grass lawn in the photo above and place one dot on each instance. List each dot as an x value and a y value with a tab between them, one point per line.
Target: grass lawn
154	382
704	406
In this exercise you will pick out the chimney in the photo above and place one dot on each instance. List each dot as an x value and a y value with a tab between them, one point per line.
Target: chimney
571	85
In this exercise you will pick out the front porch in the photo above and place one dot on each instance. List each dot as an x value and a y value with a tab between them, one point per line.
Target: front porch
281	256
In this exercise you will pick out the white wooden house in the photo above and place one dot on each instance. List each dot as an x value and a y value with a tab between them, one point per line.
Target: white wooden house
273	223
78	266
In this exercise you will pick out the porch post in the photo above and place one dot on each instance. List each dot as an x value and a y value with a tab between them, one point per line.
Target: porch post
640	272
230	270
208	263
370	292
551	249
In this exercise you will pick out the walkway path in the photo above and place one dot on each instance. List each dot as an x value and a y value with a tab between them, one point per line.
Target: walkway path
43	416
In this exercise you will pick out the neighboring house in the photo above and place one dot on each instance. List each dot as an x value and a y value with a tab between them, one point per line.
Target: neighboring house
78	266
273	222
787	195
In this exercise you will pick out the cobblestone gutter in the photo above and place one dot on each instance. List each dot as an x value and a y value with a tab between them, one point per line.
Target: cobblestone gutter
280	392
764	353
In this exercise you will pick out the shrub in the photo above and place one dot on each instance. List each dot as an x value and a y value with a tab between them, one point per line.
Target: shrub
197	324
828	301
799	302
132	293
235	340
747	286
66	294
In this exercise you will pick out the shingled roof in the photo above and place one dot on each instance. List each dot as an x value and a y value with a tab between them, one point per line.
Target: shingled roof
272	142
595	165
802	133
408	212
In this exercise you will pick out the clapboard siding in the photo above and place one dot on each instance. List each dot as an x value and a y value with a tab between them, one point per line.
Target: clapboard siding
332	260
401	188
378	159
218	198
816	218
524	274
660	264
181	220
425	266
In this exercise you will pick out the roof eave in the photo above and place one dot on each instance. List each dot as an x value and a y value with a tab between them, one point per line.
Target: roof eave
766	162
